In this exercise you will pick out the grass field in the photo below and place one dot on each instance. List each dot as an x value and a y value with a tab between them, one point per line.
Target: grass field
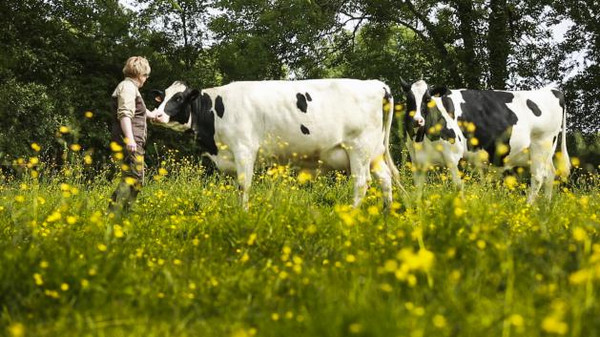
189	261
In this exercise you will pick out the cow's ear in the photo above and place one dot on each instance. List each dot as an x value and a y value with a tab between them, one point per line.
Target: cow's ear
405	86
157	95
439	91
191	94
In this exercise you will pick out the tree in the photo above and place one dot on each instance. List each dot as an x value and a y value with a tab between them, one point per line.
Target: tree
583	42
181	25
498	43
66	52
261	39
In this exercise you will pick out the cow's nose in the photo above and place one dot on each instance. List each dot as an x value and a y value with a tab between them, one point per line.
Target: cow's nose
420	121
162	118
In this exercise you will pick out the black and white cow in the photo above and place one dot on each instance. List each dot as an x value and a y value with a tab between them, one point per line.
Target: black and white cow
506	128
339	124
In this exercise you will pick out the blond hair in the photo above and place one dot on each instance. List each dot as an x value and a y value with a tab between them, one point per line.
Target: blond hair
136	66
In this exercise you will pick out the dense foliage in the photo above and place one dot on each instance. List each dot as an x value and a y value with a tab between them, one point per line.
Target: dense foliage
61	59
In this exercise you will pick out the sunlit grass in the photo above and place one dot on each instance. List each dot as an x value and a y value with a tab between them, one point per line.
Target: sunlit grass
188	260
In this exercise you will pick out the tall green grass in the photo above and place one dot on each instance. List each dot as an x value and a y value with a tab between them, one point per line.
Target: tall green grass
189	261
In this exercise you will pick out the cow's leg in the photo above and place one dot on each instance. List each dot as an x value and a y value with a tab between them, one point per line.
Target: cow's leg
452	160
419	177
244	165
541	168
549	182
550	172
359	170
384	175
455	176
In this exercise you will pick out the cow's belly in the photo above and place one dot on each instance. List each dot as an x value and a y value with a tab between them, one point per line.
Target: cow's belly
334	158
437	153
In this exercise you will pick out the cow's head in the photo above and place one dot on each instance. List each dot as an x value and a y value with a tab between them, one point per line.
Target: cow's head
423	115
175	106
418	96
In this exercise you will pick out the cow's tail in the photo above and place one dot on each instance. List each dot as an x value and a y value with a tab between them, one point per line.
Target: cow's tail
387	124
564	163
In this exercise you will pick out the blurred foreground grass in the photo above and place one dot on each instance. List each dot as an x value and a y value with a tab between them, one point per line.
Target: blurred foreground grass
188	261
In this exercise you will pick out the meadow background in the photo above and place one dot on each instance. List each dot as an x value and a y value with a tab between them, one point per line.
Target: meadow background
189	261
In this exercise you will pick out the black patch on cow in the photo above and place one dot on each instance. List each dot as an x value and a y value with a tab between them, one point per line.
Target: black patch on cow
178	107
534	107
219	106
420	134
304	129
189	102
433	119
561	98
301	102
387	95
493	120
448	105
409	122
203	124
308	98
440	91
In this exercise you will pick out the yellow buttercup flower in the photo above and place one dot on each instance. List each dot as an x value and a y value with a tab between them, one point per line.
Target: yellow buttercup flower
555	325
118	231
510	182
575	161
304	177
38	279
502	149
516	320
251	239
579	234
115	147
16	330
55	216
439	321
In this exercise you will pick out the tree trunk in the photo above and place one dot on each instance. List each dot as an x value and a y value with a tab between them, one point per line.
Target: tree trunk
498	44
439	43
472	66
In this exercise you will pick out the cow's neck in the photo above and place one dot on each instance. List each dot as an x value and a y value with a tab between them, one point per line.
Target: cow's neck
433	118
203	124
